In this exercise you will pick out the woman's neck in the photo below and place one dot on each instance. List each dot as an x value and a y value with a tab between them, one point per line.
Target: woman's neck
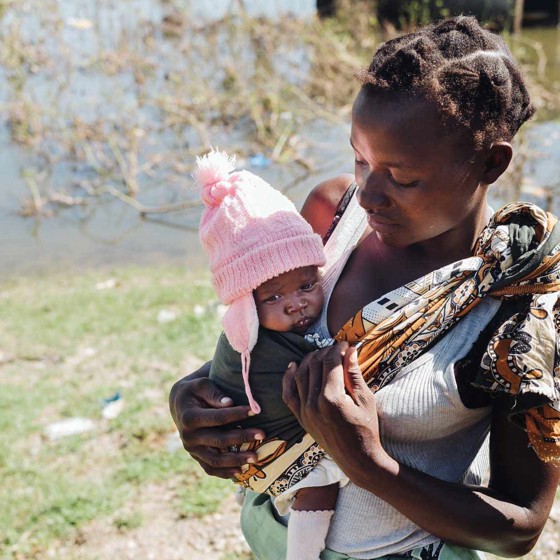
375	269
451	246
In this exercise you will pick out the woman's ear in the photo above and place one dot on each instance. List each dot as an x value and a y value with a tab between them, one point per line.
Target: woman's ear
497	161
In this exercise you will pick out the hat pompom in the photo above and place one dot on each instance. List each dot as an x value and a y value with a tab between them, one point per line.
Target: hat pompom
212	176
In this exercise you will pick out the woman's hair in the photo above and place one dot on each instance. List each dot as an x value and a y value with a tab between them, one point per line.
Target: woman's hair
466	70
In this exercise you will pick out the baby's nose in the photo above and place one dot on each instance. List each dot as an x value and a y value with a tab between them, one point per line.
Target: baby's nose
296	304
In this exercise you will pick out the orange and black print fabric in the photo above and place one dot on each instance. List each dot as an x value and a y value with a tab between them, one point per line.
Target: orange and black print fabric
516	255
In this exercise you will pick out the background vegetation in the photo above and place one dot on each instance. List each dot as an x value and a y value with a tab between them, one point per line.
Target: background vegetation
103	111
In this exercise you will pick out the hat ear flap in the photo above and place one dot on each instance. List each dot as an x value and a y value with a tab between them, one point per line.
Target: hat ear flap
241	325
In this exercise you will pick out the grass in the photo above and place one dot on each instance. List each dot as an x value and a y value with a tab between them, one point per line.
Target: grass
65	346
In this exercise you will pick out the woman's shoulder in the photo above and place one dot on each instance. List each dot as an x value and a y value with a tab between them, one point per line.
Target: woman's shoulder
320	206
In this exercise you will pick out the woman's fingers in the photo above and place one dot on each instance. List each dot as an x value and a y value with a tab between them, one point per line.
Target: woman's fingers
289	388
303	376
224	440
323	374
199	403
314	374
303	385
211	449
197	418
332	371
204	417
223	465
209	394
353	378
195	393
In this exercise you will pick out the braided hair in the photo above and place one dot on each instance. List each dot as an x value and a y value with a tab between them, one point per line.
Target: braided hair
466	70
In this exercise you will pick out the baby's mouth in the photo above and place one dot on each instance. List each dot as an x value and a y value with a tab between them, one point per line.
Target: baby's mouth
303	323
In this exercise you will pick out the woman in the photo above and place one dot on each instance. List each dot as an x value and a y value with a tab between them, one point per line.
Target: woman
431	130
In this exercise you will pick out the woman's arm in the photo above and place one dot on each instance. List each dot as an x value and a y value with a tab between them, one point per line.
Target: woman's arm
332	402
204	417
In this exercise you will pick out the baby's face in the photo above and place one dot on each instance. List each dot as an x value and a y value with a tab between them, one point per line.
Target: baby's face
291	301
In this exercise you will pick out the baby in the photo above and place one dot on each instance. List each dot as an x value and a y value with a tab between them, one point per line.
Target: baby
265	259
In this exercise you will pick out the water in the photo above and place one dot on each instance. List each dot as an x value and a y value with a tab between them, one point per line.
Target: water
94	91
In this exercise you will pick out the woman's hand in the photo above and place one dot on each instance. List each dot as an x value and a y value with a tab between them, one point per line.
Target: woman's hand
204	417
332	402
328	395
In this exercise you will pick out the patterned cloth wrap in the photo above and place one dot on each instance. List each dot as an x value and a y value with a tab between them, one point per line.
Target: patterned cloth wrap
516	256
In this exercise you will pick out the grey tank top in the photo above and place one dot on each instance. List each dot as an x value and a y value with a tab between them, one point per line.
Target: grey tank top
423	422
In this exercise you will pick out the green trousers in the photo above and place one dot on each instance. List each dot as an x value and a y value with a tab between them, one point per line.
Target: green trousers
267	537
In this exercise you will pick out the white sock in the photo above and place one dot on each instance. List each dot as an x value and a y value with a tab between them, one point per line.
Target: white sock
307	531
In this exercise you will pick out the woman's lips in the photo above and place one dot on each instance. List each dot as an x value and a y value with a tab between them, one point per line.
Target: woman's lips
379	223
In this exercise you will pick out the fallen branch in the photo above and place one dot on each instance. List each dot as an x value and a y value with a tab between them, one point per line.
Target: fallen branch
145	210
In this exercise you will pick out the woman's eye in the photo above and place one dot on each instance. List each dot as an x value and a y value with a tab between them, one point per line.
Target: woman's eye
359	162
403	184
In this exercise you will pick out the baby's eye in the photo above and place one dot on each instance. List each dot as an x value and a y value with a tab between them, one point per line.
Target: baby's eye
308	287
272	299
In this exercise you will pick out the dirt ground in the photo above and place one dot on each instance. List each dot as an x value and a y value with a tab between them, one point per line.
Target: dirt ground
161	536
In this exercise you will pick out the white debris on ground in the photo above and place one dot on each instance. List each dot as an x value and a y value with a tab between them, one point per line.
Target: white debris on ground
166	316
107	284
68	427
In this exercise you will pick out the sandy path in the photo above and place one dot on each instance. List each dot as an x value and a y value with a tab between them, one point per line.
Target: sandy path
161	536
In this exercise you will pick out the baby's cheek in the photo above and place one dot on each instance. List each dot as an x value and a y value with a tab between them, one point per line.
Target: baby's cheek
269	319
320	300
263	315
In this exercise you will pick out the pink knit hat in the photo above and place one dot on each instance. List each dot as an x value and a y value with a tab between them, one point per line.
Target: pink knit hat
251	233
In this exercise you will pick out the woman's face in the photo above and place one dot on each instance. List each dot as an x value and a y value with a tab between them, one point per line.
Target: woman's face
416	180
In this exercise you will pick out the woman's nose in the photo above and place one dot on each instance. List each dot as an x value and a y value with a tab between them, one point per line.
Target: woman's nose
373	193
